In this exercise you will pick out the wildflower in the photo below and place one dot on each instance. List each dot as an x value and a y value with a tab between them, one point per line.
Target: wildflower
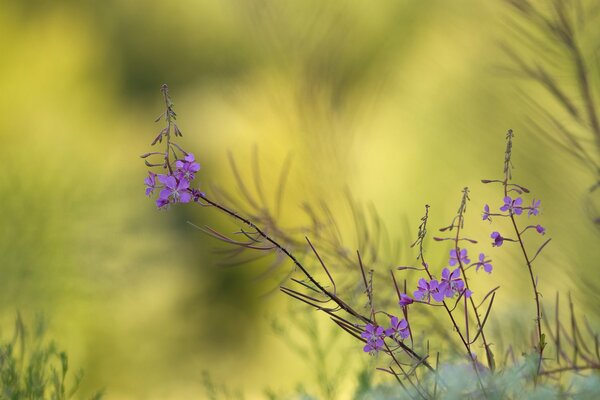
374	336
372	332
486	213
150	182
187	168
405	300
540	229
426	290
535	208
175	191
514	206
451	283
462	257
487	267
498	239
399	328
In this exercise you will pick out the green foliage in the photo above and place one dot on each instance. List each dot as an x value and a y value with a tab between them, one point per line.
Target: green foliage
216	391
318	348
511	383
34	368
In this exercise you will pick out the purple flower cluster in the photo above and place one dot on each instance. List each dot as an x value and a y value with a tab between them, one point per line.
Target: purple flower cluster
452	284
448	286
375	335
175	186
513	207
428	289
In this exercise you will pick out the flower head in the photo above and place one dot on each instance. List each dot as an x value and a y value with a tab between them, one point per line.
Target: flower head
534	209
462	257
426	290
514	206
175	191
486	264
186	169
498	239
399	329
451	283
374	336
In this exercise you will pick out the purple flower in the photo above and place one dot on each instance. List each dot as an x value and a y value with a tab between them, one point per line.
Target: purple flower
514	206
160	202
462	257
187	168
452	283
540	229
399	329
372	332
373	346
486	213
426	290
174	192
487	267
150	182
498	239
374	336
405	300
535	208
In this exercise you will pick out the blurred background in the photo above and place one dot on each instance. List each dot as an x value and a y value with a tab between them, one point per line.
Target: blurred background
401	103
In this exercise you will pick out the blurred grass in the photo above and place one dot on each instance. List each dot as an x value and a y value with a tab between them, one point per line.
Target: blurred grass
399	102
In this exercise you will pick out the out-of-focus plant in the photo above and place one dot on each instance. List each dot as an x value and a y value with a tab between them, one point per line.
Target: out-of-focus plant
395	333
215	391
318	348
561	56
34	368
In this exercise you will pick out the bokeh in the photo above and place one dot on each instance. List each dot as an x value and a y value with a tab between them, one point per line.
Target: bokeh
401	103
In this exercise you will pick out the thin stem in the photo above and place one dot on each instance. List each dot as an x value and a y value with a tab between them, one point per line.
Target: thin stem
341	304
505	183
534	286
419	241
479	325
168	115
575	368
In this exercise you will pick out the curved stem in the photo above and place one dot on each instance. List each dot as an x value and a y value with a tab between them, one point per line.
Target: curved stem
341	304
538	319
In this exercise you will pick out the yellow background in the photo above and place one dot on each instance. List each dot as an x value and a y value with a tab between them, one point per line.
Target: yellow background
402	103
